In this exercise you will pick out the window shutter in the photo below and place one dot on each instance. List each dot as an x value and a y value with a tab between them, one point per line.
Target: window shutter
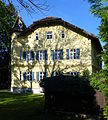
37	76
37	55
52	55
46	74
46	56
20	75
32	76
78	53
32	55
61	54
24	76
20	54
67	54
24	55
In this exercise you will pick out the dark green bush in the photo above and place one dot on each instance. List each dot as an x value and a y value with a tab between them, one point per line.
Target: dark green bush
69	93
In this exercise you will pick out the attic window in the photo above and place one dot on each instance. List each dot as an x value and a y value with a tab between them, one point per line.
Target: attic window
49	35
62	34
37	36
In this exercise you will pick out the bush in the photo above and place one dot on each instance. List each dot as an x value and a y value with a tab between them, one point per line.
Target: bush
69	93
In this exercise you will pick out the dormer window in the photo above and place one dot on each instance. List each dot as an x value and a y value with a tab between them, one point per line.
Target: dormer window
62	34
49	35
37	36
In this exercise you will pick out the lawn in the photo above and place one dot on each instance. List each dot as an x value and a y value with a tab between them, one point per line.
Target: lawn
20	106
25	107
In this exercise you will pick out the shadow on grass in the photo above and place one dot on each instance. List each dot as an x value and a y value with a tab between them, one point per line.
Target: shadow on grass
20	106
25	107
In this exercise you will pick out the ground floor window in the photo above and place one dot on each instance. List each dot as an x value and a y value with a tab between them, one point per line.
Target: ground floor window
41	75
73	73
28	76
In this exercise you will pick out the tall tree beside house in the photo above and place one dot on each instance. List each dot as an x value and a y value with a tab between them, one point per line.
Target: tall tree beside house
99	8
7	18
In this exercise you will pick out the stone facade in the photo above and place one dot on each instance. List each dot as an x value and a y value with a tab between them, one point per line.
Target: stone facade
87	59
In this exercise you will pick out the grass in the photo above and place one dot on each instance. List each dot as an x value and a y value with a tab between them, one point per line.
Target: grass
26	107
20	106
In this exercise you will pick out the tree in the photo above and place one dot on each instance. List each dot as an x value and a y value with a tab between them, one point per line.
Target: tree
7	18
99	8
30	5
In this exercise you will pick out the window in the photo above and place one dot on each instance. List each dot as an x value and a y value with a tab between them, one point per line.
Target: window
57	54
21	75
49	35
37	36
41	55
72	54
20	24
28	76
41	75
62	34
28	55
57	73
73	73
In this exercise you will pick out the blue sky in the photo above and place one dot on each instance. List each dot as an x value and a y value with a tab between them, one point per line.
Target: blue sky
76	12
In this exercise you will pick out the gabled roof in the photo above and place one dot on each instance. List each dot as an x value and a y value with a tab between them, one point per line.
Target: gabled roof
52	21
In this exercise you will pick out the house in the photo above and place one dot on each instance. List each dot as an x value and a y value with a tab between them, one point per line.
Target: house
48	47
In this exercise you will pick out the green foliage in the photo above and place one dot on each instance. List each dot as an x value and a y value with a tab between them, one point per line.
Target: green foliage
100	9
99	81
86	73
7	18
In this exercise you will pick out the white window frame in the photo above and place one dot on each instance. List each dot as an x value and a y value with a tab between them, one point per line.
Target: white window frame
41	75
28	55
42	54
57	54
29	76
73	73
73	53
62	34
36	36
49	35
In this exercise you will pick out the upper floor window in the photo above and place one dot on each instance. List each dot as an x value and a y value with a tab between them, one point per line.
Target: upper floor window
29	55
57	54
41	55
28	76
49	35
62	34
73	54
37	36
